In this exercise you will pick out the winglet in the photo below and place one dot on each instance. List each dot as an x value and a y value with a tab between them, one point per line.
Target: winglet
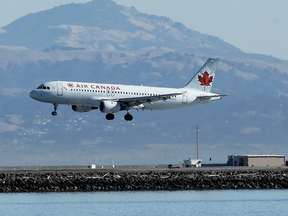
204	78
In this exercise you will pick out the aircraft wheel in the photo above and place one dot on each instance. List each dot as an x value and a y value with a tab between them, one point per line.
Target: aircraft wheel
128	117
54	113
110	116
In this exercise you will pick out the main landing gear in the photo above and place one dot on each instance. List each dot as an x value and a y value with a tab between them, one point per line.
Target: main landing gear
127	117
54	113
110	116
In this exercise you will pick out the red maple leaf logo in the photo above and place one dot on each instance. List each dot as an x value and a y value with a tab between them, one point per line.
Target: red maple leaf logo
70	85
205	80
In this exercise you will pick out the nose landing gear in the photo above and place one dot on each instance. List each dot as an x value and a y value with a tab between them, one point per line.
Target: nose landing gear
54	113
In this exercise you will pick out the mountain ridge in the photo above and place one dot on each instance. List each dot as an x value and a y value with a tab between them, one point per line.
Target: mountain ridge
102	24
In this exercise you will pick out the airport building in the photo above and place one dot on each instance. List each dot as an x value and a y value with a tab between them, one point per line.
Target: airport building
192	163
256	160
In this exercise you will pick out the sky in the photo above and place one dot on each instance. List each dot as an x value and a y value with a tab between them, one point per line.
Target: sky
254	26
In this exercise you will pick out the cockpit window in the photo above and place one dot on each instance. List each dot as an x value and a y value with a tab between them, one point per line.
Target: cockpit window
43	87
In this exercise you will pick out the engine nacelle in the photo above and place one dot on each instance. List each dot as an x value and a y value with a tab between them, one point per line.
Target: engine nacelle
110	107
82	109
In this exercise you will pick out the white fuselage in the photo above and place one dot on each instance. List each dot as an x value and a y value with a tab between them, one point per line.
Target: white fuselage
91	94
112	98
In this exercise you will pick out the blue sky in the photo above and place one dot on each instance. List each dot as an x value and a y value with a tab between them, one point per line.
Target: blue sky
257	26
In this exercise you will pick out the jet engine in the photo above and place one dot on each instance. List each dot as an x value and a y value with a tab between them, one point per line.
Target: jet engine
110	107
82	109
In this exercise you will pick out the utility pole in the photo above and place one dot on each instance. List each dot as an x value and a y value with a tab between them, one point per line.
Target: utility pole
197	142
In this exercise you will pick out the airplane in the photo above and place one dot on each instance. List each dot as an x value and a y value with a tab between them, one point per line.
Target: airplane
112	98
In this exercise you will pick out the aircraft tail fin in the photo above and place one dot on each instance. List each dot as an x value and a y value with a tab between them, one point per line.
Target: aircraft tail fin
204	78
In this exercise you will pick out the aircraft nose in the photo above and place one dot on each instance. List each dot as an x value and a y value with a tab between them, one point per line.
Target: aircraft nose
33	94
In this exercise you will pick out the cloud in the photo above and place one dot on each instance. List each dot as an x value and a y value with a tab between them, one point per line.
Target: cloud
259	146
246	114
282	94
94	142
249	130
3	31
13	91
150	75
109	128
16	119
7	127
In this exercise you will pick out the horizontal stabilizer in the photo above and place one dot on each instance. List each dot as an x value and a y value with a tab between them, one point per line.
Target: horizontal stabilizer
211	96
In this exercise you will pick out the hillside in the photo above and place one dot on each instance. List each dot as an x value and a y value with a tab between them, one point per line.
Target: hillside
104	25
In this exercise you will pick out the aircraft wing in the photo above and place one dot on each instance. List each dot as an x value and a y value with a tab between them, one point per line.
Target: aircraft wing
136	101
